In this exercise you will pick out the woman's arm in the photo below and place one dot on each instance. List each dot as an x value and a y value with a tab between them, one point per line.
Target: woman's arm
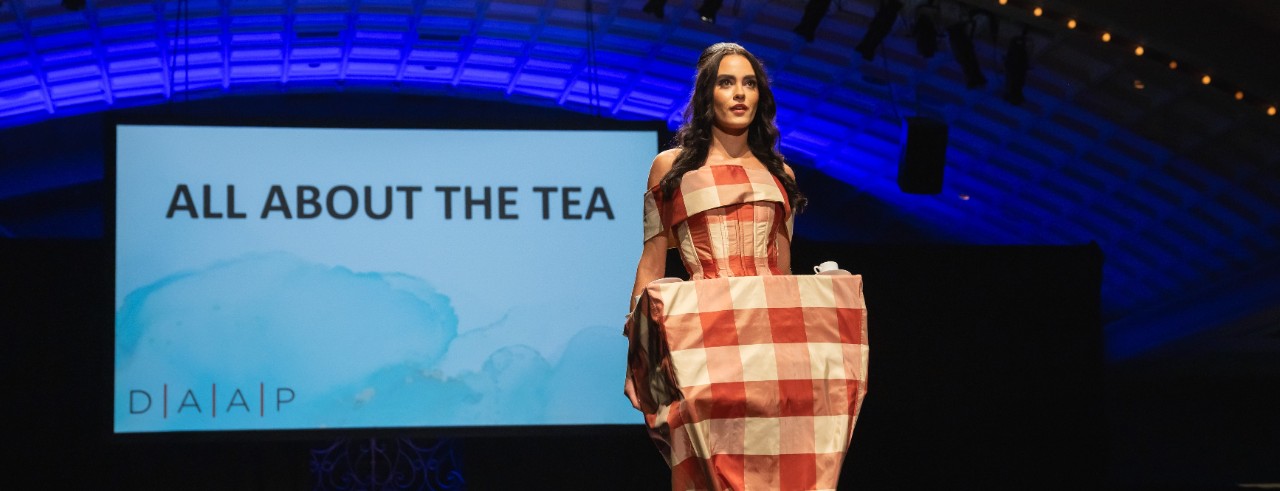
653	258
784	252
653	265
783	241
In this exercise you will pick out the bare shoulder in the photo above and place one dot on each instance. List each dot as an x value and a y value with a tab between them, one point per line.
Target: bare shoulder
665	159
662	165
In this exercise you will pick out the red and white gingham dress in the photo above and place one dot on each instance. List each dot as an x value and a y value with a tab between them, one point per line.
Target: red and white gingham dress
749	379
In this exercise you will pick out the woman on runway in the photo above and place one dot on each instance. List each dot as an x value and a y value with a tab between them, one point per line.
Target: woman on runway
748	377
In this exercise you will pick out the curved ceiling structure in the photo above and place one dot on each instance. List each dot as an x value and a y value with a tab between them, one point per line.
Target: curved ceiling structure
1177	182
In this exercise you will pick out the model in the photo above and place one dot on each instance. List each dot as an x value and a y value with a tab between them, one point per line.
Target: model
749	377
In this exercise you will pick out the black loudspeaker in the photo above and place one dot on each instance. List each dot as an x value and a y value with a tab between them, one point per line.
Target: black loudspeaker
924	153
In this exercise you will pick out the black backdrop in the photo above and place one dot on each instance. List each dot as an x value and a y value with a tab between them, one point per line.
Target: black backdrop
986	371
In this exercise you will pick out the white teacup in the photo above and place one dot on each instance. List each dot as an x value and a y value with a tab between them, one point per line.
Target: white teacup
826	266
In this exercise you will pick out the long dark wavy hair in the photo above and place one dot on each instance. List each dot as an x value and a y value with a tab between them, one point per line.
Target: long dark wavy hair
694	136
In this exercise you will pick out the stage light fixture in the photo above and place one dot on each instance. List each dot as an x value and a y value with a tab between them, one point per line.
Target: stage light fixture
1239	95
1037	12
1071	23
73	5
961	40
926	31
1271	111
880	26
1139	51
707	12
1106	37
1016	63
814	11
655	7
1173	64
1205	80
1139	84
1004	2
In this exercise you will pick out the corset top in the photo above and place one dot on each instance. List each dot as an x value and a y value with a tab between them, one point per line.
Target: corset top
724	219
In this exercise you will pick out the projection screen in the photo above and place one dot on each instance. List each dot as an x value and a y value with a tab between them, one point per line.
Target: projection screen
290	278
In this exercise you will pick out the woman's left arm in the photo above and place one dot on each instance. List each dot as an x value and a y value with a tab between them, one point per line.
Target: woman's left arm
783	239
784	252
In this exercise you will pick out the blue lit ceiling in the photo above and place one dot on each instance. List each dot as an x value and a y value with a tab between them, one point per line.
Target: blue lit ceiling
1177	183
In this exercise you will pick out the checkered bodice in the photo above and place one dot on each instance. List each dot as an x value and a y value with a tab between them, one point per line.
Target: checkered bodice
724	219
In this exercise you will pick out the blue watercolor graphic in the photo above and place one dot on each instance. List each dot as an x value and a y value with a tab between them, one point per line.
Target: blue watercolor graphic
297	344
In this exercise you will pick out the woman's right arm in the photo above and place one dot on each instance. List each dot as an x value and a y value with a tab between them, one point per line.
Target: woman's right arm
653	265
653	257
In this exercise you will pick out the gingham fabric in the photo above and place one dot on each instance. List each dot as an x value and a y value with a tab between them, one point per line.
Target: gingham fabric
724	218
747	381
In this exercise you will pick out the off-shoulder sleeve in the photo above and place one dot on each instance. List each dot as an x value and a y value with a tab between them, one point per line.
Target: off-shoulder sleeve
652	215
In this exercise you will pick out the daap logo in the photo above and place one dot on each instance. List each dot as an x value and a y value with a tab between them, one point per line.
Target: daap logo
194	401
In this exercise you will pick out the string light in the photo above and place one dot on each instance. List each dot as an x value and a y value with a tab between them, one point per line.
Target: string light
1138	50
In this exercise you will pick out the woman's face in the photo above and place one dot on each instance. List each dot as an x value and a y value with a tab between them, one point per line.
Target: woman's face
736	94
